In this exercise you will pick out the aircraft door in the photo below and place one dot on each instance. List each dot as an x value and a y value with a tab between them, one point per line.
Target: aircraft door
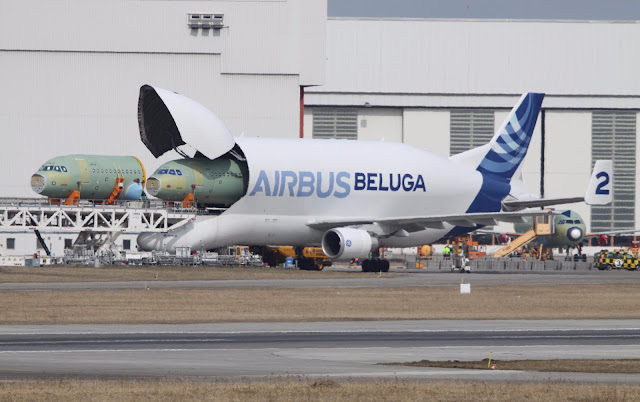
197	172
84	170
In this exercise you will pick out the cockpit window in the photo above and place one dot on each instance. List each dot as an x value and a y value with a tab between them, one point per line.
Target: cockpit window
162	171
56	168
173	172
570	221
178	172
562	222
577	221
63	168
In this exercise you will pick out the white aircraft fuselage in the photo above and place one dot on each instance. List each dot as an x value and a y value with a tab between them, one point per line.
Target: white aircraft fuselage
351	197
293	183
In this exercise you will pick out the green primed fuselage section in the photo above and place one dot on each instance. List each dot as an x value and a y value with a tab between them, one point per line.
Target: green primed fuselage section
94	176
220	182
562	224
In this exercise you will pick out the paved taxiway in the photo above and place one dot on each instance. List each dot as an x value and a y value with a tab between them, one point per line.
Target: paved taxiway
401	278
334	349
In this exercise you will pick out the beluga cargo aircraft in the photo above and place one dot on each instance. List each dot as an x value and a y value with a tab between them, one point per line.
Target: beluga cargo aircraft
350	197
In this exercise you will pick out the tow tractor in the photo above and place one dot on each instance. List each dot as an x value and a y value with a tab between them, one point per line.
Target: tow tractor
309	258
463	251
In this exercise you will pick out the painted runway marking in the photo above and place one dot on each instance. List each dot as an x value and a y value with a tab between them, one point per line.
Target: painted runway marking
287	349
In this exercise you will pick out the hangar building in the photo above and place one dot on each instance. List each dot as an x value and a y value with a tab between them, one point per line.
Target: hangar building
72	71
446	85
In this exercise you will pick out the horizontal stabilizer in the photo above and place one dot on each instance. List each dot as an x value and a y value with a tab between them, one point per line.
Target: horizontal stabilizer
543	202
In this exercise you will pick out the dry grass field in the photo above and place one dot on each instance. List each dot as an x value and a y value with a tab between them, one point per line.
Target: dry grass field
305	390
629	366
324	304
148	273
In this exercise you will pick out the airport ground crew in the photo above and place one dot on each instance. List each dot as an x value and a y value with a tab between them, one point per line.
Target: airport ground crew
446	252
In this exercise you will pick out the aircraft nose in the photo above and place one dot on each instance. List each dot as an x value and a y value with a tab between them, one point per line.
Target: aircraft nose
574	234
38	183
153	186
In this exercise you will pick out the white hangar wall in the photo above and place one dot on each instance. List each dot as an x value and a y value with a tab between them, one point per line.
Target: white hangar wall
426	70
72	71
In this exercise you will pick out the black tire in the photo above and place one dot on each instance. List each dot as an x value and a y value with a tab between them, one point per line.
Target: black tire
366	266
308	264
385	265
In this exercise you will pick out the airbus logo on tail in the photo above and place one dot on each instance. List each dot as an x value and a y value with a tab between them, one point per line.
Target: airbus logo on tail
333	184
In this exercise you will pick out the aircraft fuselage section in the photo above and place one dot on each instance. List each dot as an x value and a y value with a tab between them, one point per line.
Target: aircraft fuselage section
93	176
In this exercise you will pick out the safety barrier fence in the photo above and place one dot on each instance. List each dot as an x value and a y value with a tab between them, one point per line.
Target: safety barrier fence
507	264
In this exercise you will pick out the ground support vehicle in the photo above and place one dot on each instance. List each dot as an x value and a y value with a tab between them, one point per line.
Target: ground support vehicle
312	258
616	259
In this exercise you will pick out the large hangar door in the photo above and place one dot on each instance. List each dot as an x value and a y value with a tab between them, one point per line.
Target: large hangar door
614	137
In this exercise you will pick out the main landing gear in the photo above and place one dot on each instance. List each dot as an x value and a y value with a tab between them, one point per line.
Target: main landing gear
375	265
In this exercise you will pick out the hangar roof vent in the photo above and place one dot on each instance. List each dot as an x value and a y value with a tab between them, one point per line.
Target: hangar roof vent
205	21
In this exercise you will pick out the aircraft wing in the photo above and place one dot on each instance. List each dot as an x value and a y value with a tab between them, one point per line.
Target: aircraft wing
600	191
417	223
613	232
542	202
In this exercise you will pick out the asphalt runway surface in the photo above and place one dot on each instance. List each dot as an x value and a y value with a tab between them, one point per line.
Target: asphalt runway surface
330	349
399	278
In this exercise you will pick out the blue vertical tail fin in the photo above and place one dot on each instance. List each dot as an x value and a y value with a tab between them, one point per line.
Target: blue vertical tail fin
510	143
506	150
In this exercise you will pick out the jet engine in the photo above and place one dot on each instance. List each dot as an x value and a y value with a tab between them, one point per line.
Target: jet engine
574	234
348	243
603	240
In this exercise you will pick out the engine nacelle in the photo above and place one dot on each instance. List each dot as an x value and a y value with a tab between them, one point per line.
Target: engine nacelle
348	243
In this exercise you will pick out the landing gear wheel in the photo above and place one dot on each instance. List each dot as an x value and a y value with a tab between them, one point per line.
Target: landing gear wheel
303	264
385	265
366	266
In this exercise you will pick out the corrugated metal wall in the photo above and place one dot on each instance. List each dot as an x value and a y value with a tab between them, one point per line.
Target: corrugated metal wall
259	37
382	60
72	71
87	103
